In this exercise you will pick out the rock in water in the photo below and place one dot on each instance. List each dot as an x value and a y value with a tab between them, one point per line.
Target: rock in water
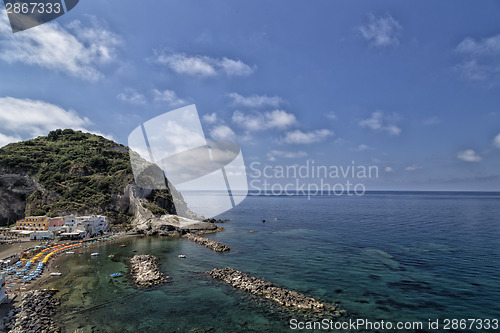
266	289
145	270
211	244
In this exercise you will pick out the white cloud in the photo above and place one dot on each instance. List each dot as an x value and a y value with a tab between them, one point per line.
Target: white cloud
381	31
6	139
26	118
255	101
297	136
486	46
413	167
285	154
496	141
234	67
204	66
331	116
388	169
379	122
168	96
131	96
76	50
222	133
278	119
432	121
469	155
362	147
481	58
210	118
474	71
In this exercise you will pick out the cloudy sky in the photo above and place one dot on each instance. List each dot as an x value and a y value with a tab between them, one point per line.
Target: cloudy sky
411	88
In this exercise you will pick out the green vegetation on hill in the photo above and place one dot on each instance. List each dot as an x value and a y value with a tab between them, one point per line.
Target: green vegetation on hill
79	173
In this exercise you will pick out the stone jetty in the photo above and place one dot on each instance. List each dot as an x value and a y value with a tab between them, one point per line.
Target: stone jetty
34	313
211	244
291	299
145	270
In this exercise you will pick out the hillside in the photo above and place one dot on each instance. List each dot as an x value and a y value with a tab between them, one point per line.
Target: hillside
70	172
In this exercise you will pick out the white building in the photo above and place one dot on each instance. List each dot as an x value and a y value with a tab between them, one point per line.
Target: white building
41	235
92	225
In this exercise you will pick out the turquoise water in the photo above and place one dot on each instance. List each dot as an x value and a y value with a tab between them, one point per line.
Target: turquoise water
383	256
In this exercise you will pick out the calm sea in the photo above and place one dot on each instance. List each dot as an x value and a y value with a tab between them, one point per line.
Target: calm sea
388	256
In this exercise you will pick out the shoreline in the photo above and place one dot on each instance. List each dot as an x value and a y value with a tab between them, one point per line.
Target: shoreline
57	264
15	298
51	267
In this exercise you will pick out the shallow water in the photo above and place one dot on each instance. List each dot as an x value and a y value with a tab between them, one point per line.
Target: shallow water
391	256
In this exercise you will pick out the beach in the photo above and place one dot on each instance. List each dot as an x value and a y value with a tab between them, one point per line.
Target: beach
8	249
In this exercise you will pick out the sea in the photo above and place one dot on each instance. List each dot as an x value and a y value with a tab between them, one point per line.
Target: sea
384	257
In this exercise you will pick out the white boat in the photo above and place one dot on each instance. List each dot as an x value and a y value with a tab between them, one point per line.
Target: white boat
55	274
182	256
70	252
94	254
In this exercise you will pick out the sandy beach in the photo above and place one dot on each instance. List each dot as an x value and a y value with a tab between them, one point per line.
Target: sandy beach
7	250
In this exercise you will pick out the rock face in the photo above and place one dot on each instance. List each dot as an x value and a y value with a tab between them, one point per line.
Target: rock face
14	190
211	244
71	172
34	313
145	222
145	270
266	289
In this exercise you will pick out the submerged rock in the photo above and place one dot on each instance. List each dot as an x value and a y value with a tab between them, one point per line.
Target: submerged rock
145	270
268	290
211	244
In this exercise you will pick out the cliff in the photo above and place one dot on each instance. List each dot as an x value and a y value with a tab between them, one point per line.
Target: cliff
71	172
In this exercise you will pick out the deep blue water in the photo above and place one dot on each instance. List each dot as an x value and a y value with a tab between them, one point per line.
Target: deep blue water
383	256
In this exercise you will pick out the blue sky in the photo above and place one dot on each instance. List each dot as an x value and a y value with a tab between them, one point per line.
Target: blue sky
412	88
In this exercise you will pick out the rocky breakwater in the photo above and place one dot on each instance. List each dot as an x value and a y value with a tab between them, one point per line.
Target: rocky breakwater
145	270
291	299
34	313
211	244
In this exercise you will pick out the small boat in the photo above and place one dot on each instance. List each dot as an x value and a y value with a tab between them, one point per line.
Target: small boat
56	274
116	274
94	254
70	252
182	256
123	245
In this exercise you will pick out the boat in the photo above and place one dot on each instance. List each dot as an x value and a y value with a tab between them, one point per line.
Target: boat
94	254
56	274
70	252
123	245
116	274
182	256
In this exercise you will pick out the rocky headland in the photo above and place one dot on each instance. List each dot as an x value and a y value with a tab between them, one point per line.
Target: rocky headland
288	298
145	270
211	244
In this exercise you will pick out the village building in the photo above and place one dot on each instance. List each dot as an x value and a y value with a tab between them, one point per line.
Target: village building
43	227
33	223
